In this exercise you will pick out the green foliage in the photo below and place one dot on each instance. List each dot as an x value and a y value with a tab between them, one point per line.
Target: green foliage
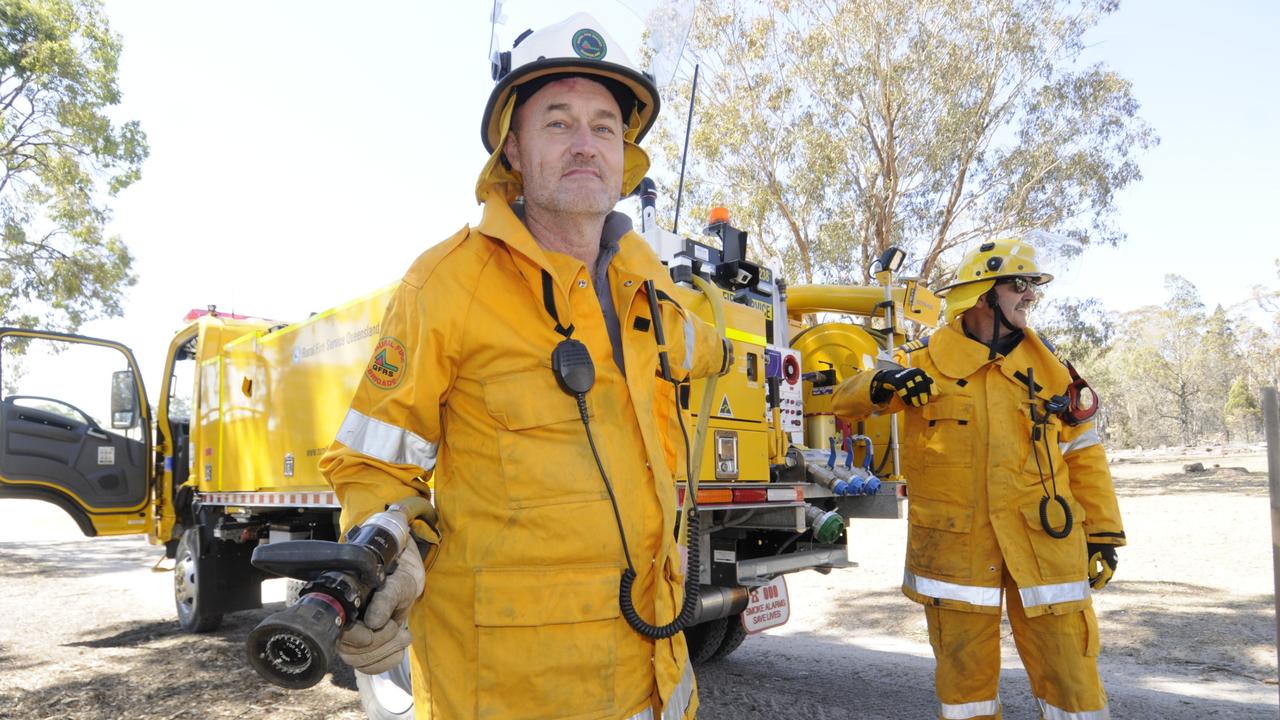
1242	409
834	129
1079	328
61	158
1175	373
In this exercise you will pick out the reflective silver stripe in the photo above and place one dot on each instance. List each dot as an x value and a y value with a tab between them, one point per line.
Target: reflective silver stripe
963	711
386	442
1051	594
1087	438
645	714
678	704
1052	712
688	345
988	596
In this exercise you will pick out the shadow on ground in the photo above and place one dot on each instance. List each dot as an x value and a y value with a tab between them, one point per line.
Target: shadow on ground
1208	631
1222	480
1209	636
773	677
75	558
155	670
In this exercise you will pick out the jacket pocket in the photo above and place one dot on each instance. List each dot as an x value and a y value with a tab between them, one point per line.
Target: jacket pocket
542	444
947	435
1062	559
546	642
938	541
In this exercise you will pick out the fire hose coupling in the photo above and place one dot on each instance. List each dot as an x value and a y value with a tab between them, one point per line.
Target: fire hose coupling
843	478
870	484
826	524
294	648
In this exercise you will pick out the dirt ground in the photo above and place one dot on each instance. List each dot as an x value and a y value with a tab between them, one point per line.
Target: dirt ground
1188	625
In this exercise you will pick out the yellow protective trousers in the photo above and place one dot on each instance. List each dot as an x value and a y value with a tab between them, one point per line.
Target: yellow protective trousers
1059	651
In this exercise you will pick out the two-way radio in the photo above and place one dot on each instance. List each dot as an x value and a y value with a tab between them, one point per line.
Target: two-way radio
575	373
1040	436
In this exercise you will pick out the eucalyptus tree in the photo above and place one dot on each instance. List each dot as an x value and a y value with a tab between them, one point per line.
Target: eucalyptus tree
833	129
62	158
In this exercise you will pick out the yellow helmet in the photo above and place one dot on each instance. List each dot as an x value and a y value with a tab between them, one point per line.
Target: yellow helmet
982	266
577	46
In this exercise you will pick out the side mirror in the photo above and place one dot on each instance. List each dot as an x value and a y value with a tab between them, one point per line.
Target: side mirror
124	400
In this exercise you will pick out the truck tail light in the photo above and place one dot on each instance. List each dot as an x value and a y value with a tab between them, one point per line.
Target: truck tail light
717	496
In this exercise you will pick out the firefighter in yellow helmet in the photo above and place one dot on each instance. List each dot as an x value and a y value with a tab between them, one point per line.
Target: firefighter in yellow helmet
519	613
1011	501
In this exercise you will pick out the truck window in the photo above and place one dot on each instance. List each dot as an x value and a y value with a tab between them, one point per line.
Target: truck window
182	387
66	380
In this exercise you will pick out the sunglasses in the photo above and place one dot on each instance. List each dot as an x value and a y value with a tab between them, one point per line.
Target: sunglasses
1020	284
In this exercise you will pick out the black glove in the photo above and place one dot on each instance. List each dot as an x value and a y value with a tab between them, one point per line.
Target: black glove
912	384
1102	564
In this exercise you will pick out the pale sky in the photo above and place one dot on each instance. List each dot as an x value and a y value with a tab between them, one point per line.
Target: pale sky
303	153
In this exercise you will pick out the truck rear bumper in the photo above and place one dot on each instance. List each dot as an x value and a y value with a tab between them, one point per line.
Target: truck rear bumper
758	571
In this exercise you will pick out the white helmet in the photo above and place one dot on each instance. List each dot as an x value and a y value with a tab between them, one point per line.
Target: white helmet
577	46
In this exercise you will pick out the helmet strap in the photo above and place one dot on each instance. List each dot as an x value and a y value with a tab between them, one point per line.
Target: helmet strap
993	301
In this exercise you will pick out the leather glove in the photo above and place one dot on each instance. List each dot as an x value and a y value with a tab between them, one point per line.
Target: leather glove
1102	564
376	643
913	385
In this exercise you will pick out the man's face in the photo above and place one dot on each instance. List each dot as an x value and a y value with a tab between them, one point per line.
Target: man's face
1015	297
567	146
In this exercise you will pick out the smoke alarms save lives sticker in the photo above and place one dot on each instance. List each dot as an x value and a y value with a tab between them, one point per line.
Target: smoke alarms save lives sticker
768	607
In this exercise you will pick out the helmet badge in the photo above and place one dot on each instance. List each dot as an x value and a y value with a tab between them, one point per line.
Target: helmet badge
589	44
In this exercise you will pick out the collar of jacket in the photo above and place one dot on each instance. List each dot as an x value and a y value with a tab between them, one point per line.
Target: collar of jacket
500	223
958	356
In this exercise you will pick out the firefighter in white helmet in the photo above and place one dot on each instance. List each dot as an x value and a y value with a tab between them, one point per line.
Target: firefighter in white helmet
1011	501
520	616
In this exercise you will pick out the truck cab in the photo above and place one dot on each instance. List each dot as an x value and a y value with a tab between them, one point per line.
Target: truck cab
78	429
225	460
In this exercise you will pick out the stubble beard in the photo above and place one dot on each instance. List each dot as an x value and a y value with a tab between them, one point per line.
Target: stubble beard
568	202
564	198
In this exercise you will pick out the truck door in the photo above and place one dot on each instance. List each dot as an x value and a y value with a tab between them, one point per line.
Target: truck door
75	429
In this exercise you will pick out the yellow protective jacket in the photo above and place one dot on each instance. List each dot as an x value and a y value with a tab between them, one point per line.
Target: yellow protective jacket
520	616
974	485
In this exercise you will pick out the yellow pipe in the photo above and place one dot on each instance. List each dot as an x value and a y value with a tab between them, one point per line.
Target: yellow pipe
852	299
777	444
914	301
704	410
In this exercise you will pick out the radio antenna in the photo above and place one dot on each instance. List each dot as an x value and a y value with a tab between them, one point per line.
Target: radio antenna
496	18
684	156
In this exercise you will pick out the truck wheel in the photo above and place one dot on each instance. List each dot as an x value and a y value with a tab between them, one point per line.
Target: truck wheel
704	639
388	696
733	637
187	572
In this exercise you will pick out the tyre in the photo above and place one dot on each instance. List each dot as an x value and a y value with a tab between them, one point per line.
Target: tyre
187	577
704	639
388	696
734	634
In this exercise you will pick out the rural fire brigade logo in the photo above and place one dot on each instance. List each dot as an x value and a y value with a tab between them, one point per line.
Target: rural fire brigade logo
588	44
386	369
